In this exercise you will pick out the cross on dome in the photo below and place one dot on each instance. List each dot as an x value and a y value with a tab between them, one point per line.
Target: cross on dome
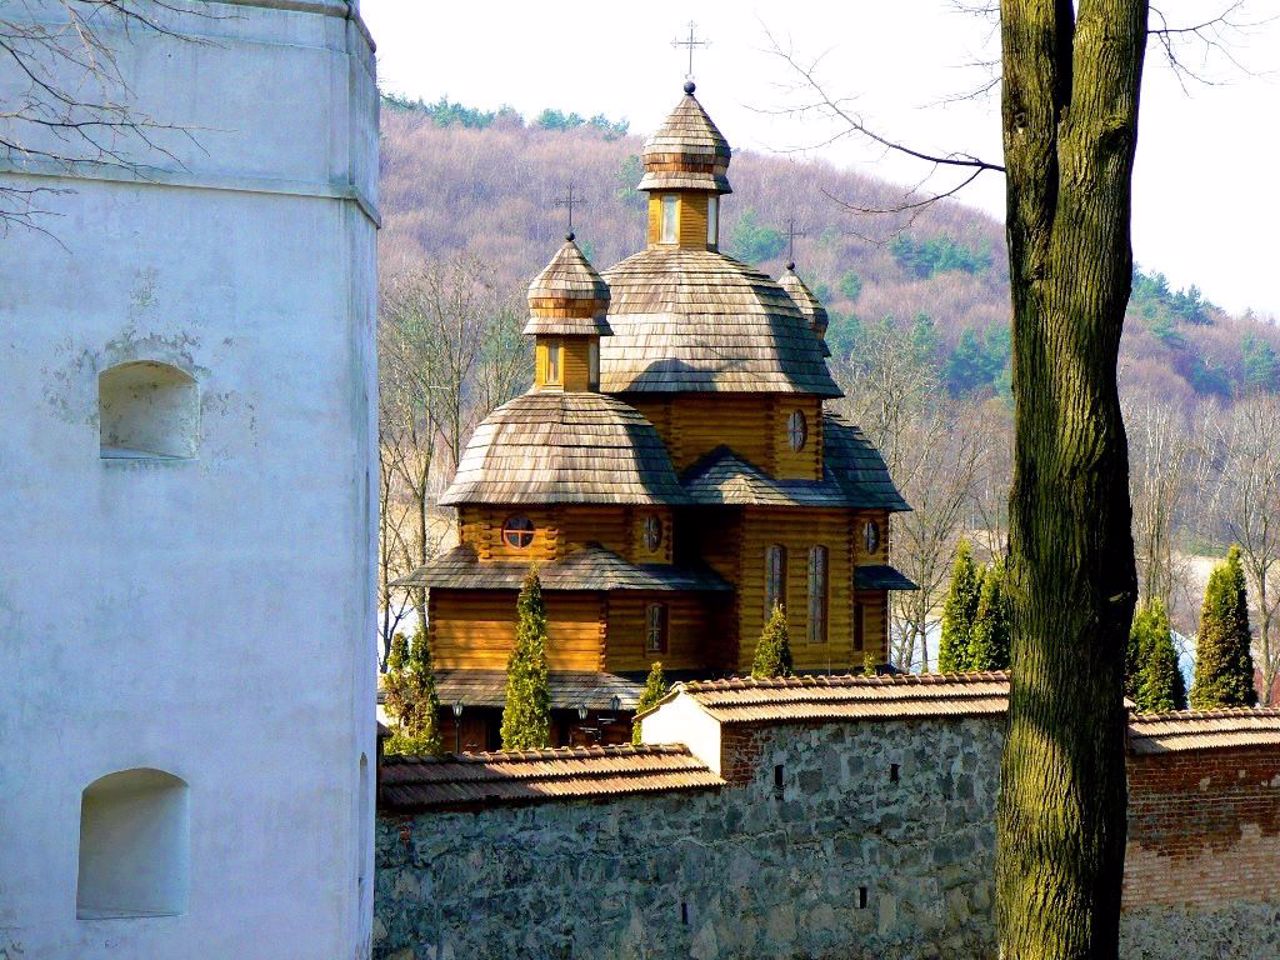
692	42
570	201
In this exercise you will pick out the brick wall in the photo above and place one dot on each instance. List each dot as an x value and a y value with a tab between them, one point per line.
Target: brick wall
1203	827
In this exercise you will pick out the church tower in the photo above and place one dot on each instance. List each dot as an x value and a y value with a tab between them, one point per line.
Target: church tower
187	752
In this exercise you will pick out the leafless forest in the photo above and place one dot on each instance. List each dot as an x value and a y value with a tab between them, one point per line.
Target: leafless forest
919	336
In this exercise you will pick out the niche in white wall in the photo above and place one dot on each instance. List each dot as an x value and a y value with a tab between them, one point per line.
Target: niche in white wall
134	846
147	410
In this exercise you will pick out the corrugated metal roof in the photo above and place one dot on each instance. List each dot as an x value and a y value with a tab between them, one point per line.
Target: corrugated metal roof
412	784
744	700
590	568
1151	733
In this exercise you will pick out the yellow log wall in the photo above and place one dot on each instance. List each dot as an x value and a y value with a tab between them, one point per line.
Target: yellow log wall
693	642
561	530
475	629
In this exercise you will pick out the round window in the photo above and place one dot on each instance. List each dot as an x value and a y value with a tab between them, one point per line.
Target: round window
797	430
652	532
518	532
871	536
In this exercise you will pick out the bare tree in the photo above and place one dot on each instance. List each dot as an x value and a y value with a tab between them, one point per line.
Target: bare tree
1160	449
65	101
1246	505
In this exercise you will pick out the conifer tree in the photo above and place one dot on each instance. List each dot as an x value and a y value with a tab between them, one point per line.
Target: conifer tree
411	697
989	644
526	711
1224	664
773	650
655	688
959	611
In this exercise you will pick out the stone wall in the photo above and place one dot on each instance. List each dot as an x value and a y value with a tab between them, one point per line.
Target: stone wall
878	843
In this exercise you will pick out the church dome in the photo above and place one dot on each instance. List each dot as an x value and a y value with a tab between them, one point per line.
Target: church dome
688	152
810	307
551	447
568	297
697	320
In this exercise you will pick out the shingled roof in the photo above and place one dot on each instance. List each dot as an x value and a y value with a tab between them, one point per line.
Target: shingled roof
889	697
568	297
854	475
590	568
414	784
688	152
697	320
809	305
551	447
569	689
1171	732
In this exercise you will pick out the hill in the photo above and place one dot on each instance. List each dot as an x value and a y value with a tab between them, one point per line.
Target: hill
456	179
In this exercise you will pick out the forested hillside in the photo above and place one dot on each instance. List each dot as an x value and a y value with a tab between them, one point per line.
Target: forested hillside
457	179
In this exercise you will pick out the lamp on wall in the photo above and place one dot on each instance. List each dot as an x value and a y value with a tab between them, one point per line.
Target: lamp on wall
457	726
582	711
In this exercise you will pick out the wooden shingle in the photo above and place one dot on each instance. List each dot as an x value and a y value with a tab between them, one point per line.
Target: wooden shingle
688	152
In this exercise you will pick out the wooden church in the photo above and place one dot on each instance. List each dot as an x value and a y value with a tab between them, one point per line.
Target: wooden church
672	473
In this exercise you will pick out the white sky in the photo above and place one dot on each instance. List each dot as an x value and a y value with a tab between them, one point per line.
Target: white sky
1205	204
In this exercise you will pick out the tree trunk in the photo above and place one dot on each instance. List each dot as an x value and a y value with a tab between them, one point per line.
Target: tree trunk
1070	110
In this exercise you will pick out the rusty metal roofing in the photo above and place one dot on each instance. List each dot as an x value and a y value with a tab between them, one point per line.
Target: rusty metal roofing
889	697
1151	733
465	781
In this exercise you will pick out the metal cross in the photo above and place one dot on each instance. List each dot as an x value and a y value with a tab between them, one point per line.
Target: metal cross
570	201
691	43
792	233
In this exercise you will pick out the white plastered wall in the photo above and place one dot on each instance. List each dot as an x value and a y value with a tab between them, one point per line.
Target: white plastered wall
207	617
681	720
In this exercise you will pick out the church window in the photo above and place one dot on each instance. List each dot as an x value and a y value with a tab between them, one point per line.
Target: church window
669	219
797	430
775	578
134	846
517	532
593	365
655	628
652	532
713	220
147	411
871	536
553	361
818	594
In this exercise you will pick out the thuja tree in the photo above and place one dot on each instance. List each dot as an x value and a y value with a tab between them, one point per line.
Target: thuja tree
411	698
1152	677
773	649
1224	665
959	610
526	711
655	688
1071	74
989	646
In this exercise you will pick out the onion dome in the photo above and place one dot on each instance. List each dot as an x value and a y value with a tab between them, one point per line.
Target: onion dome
688	152
568	297
548	447
697	320
810	307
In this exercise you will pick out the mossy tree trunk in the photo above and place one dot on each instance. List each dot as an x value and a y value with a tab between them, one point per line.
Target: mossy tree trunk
1070	112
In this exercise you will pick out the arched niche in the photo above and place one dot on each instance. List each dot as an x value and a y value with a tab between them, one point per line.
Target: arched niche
134	846
147	410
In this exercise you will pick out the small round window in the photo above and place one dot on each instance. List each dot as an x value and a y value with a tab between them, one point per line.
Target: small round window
652	532
518	532
871	536
797	430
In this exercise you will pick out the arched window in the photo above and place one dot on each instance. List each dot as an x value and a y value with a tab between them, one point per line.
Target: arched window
871	536
517	532
147	410
669	218
713	220
134	846
775	578
797	430
818	594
